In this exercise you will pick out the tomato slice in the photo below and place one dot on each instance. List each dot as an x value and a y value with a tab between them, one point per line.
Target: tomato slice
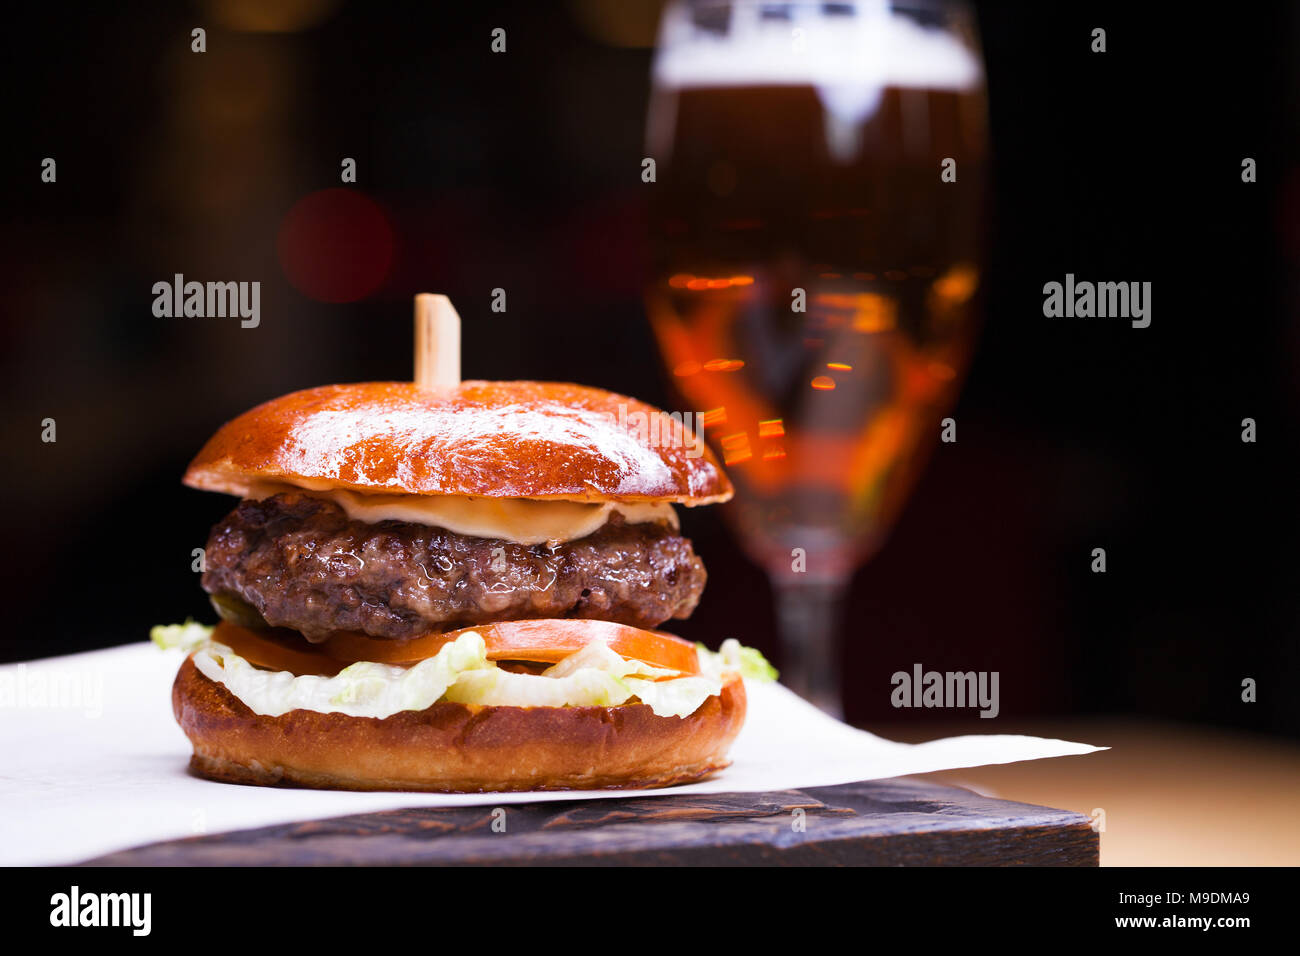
546	641
268	649
539	641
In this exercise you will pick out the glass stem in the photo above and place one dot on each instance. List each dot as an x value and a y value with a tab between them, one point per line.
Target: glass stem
808	618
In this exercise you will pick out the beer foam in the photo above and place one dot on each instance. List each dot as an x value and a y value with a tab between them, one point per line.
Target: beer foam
871	47
850	58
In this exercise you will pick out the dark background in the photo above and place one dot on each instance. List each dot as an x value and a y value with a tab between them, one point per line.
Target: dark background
522	172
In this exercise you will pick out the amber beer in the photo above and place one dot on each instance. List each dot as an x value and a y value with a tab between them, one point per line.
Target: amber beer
813	292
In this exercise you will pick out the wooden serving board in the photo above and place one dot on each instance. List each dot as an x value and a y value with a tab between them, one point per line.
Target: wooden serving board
901	822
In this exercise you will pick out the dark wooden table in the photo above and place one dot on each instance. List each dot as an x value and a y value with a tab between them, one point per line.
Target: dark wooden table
902	822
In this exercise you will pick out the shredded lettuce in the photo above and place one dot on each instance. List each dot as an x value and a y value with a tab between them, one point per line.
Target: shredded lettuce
590	677
587	687
594	676
363	689
675	698
598	655
186	636
735	657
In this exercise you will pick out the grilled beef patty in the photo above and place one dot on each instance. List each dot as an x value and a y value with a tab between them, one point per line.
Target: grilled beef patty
303	564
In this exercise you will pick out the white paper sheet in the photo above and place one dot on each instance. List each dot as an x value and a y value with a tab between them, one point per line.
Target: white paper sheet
91	761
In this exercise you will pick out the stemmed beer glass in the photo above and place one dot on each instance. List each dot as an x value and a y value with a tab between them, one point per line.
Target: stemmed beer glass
816	231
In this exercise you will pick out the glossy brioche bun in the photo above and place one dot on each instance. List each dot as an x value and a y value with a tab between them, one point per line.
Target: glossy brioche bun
490	439
455	748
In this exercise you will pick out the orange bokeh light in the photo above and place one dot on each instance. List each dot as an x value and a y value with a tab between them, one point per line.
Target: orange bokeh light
684	280
714	416
723	365
735	448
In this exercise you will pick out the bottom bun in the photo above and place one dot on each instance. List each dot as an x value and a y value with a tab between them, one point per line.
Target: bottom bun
455	748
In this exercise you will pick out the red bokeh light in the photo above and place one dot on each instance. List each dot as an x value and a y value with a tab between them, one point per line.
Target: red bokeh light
336	245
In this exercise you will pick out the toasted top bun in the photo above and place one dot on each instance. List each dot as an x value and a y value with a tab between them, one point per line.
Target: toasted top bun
490	439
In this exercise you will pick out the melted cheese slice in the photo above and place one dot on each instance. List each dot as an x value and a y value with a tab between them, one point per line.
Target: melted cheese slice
519	520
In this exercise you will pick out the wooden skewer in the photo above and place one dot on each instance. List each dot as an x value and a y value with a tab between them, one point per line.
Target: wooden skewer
437	342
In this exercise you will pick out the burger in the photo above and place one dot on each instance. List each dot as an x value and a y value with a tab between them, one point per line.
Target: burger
455	589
